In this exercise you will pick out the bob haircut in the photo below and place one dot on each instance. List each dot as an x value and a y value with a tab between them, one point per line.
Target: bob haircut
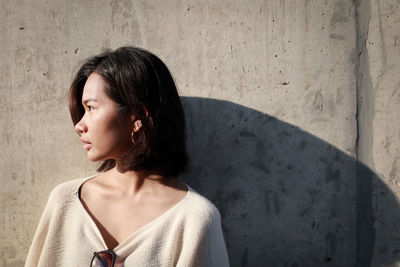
140	84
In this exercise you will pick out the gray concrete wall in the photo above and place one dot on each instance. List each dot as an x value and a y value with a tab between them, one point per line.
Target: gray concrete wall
292	110
379	106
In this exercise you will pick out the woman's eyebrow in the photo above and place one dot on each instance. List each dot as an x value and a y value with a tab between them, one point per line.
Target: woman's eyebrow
87	100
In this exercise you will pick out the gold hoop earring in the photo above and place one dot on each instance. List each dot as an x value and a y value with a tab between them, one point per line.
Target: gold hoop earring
133	137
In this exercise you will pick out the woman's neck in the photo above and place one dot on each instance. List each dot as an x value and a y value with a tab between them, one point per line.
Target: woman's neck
133	182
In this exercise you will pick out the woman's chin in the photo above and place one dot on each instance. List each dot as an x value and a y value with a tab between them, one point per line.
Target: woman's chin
93	157
96	157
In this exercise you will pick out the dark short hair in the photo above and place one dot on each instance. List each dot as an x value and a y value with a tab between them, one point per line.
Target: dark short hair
139	83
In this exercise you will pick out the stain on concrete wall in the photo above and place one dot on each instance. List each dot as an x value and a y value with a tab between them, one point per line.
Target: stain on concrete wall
282	99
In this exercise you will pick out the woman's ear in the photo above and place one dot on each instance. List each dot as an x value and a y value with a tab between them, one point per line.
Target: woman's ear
137	125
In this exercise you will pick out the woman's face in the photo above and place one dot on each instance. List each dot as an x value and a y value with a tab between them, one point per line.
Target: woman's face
104	131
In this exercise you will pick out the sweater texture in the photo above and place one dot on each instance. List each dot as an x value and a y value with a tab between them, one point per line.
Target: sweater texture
188	234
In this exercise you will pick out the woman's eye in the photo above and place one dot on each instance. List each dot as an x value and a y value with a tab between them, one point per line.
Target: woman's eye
90	108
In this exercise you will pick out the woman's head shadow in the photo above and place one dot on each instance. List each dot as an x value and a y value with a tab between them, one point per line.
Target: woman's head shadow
286	197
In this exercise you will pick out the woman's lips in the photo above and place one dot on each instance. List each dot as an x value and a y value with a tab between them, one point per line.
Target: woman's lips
86	144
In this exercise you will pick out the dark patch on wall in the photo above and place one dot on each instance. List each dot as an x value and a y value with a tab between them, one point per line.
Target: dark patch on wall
245	257
277	203
337	36
245	133
365	218
330	243
280	190
303	144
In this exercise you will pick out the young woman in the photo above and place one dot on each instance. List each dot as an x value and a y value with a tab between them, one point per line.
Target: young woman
126	109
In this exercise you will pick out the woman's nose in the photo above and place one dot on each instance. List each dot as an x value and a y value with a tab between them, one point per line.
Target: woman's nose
80	127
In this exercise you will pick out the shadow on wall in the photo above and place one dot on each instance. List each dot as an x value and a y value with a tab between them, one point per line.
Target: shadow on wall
286	197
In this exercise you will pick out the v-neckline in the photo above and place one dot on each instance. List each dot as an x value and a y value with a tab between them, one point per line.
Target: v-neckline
130	237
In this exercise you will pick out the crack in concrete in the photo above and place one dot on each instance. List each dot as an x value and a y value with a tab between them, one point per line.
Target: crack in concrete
365	232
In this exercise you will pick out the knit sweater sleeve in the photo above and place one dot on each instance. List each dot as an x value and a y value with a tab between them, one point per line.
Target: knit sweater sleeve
206	246
42	233
48	243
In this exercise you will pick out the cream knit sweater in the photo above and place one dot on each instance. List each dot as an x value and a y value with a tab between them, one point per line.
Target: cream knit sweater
188	234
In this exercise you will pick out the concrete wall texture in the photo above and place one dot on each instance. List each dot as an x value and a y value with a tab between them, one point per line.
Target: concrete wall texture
292	110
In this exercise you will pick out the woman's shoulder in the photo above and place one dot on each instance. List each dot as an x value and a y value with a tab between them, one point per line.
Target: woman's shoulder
67	189
200	207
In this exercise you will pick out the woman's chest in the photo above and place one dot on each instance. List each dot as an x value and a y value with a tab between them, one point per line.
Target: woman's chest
118	220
